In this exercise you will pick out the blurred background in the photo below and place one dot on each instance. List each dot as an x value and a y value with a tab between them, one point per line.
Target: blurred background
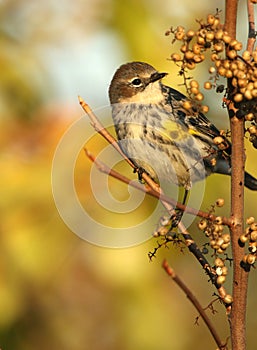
57	290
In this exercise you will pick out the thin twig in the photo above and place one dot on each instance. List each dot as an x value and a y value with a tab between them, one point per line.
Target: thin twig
169	270
103	167
102	131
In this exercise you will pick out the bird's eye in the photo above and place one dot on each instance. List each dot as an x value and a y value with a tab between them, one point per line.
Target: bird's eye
136	82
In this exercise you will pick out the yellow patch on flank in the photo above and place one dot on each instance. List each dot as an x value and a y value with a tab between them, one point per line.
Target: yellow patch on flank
173	131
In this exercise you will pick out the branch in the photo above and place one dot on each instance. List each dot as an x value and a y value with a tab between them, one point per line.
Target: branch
240	277
102	131
148	190
196	304
251	32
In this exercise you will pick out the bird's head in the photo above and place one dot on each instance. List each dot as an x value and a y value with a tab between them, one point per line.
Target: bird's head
136	82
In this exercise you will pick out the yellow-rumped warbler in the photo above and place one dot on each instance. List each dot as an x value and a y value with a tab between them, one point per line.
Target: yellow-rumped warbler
160	135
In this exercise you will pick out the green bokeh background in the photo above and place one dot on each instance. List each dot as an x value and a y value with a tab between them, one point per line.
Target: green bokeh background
56	290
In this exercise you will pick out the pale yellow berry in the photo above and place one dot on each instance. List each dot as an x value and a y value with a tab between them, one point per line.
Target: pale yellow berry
254	93
241	65
202	224
226	38
190	33
212	70
210	19
243	238
218	47
199	96
253	226
219	262
207	85
220	202
189	55
228	299
226	237
187	105
194	90
238	97
198	58
220	251
242	82
196	48
251	259
180	35
233	65
233	42
226	64
190	65
200	40
176	57
249	117
216	23
232	54
229	73
248	94
213	161
254	56
237	46
253	247
204	109
219	271
219	34
240	74
221	279
224	271
218	140
194	83
250	86
214	57
250	220
209	36
202	32
183	48
252	131
218	219
222	71
224	246
156	234
246	55
219	242
253	235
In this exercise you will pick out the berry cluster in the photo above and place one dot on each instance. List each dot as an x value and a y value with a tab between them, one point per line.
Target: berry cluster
250	237
240	70
221	270
218	240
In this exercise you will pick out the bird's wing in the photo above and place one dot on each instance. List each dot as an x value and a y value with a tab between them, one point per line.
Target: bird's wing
196	122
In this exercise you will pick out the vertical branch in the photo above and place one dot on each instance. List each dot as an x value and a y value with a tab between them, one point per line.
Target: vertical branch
251	33
231	17
240	277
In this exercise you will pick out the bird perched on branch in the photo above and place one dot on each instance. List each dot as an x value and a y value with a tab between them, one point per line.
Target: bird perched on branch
162	135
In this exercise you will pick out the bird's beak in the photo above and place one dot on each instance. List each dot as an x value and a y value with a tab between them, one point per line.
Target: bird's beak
157	76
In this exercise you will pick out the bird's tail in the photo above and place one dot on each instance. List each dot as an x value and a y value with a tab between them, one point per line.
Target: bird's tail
250	182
